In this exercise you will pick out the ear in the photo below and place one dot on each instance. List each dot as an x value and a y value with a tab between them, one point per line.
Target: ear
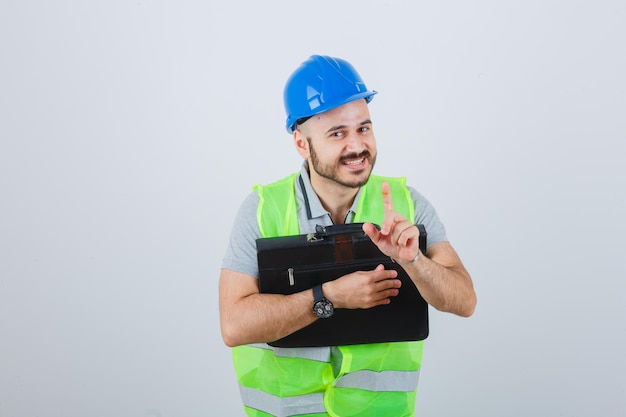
301	143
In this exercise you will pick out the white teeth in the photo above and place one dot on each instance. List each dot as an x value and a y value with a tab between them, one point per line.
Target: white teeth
355	162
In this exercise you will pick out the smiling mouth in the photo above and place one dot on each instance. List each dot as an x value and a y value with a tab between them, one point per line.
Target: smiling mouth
355	162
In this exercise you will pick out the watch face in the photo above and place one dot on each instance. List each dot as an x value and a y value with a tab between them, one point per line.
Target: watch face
323	308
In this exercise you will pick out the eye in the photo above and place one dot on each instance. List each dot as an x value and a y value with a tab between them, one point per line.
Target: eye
337	134
364	129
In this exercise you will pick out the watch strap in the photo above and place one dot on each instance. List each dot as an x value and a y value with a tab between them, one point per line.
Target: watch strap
318	294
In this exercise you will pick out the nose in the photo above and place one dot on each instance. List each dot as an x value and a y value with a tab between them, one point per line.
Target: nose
355	143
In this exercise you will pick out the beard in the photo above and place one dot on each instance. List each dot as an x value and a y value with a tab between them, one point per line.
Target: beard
331	171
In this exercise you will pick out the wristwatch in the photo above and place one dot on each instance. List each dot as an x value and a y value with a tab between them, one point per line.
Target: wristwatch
321	306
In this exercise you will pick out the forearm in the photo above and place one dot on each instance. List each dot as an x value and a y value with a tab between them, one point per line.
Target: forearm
444	288
447	288
257	318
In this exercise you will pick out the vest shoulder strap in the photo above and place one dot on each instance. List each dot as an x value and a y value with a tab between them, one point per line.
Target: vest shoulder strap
276	212
370	206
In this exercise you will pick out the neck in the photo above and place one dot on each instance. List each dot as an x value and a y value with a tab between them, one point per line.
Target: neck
335	198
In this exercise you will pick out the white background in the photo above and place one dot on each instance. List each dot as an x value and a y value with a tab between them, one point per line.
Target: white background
131	131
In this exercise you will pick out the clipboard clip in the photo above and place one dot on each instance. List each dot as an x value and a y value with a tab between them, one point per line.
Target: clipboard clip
314	237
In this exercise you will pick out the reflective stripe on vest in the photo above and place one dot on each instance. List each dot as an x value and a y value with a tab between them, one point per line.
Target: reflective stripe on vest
283	407
320	354
364	380
403	381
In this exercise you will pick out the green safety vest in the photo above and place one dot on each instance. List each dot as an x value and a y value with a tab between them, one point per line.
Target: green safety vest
358	380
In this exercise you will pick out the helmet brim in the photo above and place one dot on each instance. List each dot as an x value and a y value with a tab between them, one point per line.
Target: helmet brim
324	107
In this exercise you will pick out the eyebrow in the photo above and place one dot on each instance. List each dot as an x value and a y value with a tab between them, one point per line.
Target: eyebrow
339	127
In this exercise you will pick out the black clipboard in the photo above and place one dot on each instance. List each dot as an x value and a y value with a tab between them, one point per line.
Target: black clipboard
292	264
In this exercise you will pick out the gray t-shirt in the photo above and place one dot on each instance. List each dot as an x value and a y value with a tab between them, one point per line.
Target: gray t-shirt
241	251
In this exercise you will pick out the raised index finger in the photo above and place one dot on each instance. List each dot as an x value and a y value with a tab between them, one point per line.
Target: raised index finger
387	202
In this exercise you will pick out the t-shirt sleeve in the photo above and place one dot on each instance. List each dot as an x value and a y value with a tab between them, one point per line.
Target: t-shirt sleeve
425	214
241	250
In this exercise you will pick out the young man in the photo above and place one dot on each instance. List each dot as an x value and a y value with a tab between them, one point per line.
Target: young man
328	117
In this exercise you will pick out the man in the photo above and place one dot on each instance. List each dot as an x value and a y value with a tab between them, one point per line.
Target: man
327	114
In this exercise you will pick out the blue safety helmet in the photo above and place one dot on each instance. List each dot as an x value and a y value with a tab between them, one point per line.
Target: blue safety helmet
322	83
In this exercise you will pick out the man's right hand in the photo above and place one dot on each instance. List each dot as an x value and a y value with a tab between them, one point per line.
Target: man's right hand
363	289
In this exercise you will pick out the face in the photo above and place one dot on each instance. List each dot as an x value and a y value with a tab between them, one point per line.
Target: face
339	145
